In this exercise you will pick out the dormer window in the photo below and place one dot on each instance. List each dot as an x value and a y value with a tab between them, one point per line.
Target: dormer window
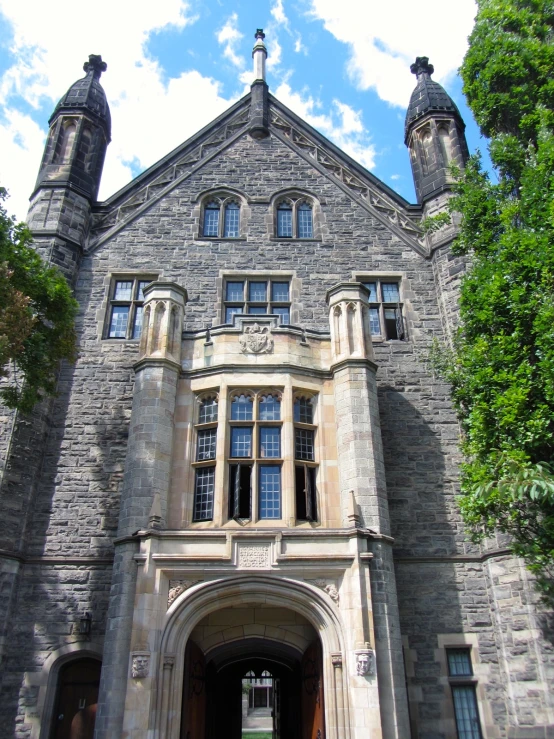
221	218
294	219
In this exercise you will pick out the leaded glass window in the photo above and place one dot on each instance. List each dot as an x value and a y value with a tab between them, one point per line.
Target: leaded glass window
126	308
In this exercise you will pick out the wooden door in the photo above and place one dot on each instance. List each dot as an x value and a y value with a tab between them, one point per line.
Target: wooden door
276	710
313	714
193	721
77	700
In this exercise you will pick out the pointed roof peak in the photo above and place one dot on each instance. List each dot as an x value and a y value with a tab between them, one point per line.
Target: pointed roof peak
428	96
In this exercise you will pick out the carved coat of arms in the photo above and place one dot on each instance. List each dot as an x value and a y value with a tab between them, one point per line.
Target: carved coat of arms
256	339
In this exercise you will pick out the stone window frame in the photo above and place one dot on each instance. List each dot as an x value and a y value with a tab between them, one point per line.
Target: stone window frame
224	195
105	311
469	641
287	461
296	197
204	464
309	467
295	286
248	303
381	305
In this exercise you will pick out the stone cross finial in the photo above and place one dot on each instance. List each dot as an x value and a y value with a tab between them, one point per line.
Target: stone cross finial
95	65
421	66
259	33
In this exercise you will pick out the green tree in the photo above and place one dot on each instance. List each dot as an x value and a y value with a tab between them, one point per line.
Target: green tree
502	365
37	314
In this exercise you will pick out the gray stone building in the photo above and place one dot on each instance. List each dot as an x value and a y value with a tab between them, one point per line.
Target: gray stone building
250	468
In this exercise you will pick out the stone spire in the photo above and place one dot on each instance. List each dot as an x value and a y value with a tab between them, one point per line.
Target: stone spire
433	132
259	55
80	131
259	101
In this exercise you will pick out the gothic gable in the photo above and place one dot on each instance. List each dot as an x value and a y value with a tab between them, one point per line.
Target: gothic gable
362	187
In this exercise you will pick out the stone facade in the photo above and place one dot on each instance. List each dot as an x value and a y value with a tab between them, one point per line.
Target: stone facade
98	484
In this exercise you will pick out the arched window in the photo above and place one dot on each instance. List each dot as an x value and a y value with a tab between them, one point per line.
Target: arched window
294	219
221	218
208	410
67	141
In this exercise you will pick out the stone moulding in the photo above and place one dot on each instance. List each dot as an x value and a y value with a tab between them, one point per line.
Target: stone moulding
375	201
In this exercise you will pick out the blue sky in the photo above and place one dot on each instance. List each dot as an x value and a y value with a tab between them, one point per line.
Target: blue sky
174	65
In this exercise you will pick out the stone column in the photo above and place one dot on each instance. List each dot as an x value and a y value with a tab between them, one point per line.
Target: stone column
145	486
362	480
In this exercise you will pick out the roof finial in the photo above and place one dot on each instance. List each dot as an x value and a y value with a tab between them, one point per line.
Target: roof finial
259	54
95	65
422	67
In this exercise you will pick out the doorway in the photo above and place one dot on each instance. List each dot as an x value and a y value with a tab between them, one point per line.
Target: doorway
253	689
77	699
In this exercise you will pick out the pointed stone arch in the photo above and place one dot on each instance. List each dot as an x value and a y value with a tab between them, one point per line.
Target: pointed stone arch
204	598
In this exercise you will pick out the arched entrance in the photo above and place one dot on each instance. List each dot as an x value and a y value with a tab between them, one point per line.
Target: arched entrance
76	701
217	632
253	685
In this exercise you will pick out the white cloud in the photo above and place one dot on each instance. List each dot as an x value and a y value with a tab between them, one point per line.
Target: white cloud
149	114
278	12
385	38
343	125
229	36
396	177
274	51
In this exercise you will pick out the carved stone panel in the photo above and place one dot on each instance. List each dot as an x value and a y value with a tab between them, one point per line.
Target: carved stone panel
140	665
253	556
329	587
256	339
177	588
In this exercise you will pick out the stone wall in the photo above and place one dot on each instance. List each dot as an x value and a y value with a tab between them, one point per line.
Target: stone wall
75	513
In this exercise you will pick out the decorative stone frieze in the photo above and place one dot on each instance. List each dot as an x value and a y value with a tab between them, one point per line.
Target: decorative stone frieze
177	588
329	587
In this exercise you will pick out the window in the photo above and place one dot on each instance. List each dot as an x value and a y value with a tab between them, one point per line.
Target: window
125	312
255	438
257	297
304	455
463	693
221	218
206	438
262	463
294	219
385	308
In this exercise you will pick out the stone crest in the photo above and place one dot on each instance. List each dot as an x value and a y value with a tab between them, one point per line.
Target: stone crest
256	339
253	557
140	665
177	588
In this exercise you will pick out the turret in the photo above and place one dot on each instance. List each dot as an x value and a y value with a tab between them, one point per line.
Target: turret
80	131
434	134
70	172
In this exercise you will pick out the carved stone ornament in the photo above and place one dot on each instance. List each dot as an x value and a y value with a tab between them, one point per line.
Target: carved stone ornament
177	588
336	659
330	588
140	665
253	557
169	661
256	339
365	662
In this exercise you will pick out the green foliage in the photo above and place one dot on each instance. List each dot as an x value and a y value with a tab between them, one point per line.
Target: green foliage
435	223
502	366
37	314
